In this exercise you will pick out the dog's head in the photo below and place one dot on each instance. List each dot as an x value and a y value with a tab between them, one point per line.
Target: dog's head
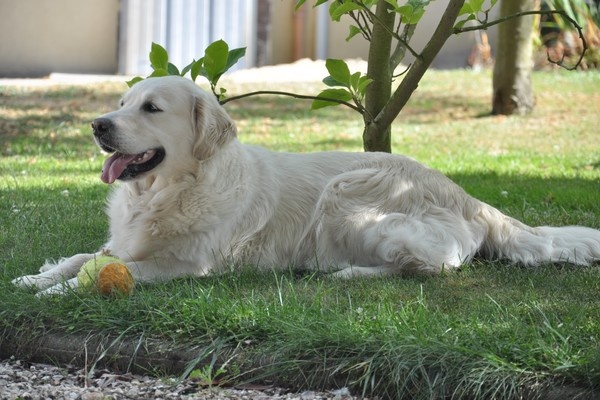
164	126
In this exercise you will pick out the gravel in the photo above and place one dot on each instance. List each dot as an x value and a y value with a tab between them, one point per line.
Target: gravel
23	380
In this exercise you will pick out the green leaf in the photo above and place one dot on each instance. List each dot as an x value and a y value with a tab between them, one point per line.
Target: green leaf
338	69
476	5
335	94
329	81
158	72
354	80
416	16
332	7
299	4
411	15
197	69
465	9
461	23
354	30
419	3
172	69
345	8
187	68
405	11
234	56
134	80
196	374
363	83
215	60
221	94
159	58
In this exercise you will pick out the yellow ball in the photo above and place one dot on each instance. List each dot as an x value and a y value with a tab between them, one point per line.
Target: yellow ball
107	275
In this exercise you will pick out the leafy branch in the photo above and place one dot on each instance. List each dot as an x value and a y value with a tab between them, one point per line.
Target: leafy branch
218	59
289	94
410	14
484	24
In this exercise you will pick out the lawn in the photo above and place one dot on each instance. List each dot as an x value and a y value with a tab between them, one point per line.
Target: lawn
490	330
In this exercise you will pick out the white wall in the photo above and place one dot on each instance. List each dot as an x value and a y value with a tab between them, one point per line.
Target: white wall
38	37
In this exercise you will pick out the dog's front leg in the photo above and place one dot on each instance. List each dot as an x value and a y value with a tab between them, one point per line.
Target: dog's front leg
52	274
147	271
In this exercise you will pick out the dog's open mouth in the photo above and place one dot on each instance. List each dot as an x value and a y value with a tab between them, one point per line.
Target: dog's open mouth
127	166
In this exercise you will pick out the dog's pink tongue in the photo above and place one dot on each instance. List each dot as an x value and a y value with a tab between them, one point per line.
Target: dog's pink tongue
114	166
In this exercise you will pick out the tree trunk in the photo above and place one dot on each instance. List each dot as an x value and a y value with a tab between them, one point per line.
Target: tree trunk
512	89
411	79
379	91
382	106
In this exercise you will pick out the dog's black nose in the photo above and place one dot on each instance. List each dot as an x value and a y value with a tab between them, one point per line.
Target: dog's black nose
102	126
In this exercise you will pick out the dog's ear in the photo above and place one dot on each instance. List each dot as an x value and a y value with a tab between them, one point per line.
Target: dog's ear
213	128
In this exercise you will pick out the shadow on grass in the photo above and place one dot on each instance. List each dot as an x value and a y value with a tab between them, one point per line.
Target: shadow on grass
423	108
72	147
283	108
559	201
34	118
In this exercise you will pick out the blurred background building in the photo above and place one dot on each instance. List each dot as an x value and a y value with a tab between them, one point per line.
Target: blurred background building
38	37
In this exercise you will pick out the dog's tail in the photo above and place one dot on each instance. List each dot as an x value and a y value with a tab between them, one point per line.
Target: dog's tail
508	238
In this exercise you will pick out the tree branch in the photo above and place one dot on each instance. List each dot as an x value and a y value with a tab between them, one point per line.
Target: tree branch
486	24
395	35
363	25
400	50
294	95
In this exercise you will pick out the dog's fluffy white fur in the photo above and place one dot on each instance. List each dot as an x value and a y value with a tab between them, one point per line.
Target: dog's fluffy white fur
194	200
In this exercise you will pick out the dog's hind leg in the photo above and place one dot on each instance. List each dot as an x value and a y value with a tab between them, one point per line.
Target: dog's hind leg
367	233
401	244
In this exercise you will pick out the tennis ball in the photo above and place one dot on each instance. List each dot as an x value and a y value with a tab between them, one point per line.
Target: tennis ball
107	275
115	277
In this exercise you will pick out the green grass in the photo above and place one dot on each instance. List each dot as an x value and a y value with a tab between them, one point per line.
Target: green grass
491	330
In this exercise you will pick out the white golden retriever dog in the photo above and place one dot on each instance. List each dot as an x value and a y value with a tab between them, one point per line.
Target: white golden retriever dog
195	201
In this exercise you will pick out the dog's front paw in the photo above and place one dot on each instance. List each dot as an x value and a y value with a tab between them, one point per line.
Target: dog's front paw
32	281
60	289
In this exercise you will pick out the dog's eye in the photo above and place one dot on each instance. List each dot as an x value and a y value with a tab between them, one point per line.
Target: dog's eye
151	108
